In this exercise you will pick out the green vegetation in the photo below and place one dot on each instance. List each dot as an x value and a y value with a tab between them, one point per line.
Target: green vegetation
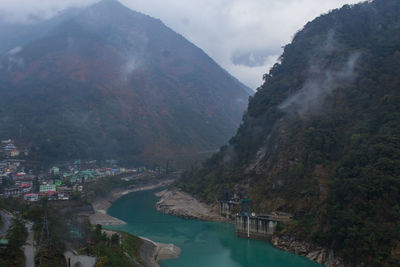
321	138
64	228
13	255
131	244
103	186
68	230
121	249
49	257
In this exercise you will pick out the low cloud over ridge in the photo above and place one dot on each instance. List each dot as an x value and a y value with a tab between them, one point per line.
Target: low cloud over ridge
224	29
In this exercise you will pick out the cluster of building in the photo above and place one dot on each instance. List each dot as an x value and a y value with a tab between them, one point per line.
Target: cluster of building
10	169
79	173
31	189
9	149
58	183
74	175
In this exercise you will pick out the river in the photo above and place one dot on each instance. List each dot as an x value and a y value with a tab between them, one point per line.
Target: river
203	244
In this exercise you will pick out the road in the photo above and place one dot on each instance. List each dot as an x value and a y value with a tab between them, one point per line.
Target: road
29	247
6	220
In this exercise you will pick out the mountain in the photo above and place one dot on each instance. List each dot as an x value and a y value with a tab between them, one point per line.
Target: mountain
109	82
321	137
20	34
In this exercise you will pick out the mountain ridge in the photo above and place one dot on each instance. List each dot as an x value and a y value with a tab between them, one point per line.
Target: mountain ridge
320	138
142	90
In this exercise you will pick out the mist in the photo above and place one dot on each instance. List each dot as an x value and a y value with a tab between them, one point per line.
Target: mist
241	36
321	81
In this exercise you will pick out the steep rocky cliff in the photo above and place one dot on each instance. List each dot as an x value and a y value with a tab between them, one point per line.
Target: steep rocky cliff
321	137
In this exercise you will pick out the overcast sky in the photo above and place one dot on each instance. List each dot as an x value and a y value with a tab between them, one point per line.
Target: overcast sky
243	36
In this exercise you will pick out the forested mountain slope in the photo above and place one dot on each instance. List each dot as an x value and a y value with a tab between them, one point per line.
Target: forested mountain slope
109	82
321	137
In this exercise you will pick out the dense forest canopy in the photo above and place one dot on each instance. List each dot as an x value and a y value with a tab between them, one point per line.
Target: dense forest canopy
321	137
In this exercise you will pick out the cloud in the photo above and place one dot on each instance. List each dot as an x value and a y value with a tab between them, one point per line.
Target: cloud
28	11
224	29
14	51
321	81
132	63
13	58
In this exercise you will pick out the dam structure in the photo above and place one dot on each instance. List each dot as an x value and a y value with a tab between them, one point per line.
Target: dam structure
247	223
260	227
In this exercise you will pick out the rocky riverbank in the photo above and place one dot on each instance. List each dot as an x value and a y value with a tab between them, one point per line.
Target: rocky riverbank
179	203
315	253
150	252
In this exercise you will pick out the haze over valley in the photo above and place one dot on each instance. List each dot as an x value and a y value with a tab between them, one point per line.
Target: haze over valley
200	133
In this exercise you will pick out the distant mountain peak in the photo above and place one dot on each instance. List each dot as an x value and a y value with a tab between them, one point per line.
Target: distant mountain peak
137	88
111	15
114	7
109	4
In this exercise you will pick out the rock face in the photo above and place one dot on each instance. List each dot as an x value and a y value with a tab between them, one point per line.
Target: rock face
151	252
178	203
321	135
315	253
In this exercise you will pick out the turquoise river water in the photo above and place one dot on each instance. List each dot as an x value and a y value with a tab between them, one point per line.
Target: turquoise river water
203	244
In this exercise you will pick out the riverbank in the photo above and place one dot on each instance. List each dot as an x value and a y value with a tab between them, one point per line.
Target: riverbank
153	252
181	204
315	253
203	243
101	205
150	252
178	203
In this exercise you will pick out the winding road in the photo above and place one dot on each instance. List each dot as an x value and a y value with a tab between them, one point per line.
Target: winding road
29	247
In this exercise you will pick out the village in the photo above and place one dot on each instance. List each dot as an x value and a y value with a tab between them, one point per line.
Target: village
33	194
63	182
68	181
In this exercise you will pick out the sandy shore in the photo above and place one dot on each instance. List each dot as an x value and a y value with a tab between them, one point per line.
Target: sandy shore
179	203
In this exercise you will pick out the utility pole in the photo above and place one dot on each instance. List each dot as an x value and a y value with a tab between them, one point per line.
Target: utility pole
248	226
45	235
